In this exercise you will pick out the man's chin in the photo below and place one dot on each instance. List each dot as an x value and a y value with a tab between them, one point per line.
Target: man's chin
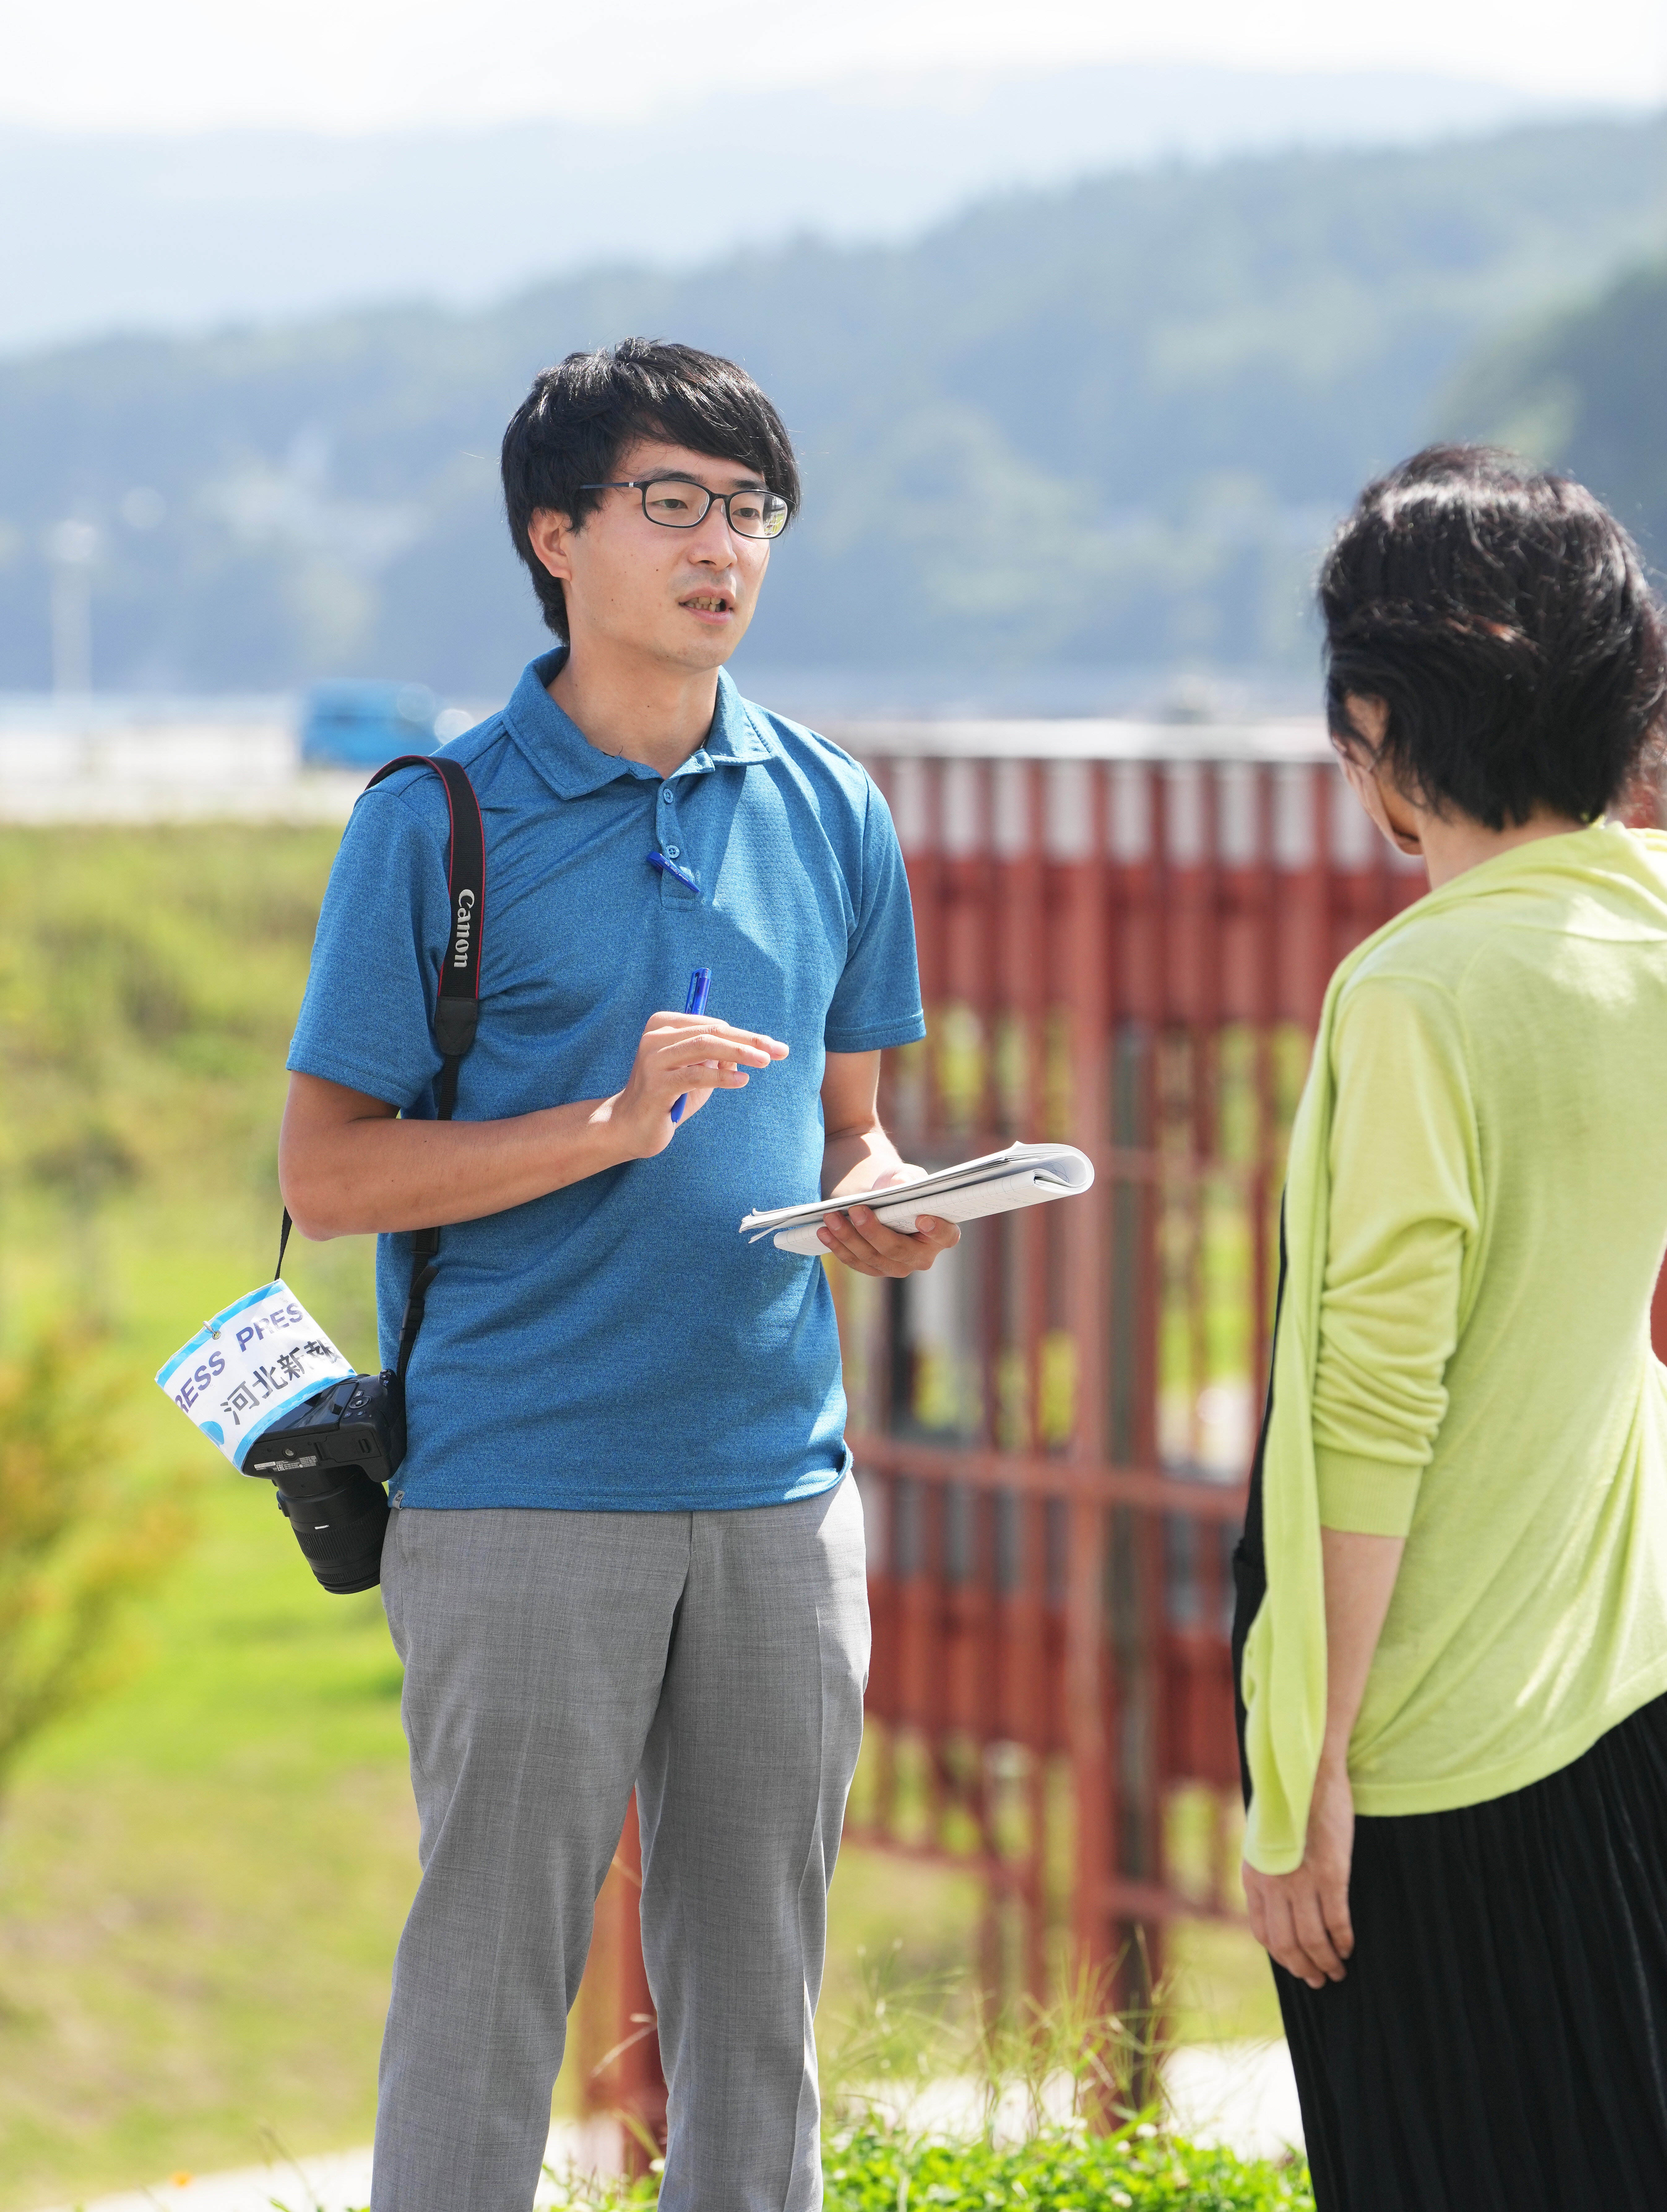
701	647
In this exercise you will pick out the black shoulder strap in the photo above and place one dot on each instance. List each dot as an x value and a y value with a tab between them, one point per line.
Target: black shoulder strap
458	1004
457	1009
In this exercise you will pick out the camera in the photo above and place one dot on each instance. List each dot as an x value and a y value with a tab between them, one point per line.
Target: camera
329	1461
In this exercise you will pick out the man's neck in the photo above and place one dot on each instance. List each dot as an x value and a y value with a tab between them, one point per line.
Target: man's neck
657	716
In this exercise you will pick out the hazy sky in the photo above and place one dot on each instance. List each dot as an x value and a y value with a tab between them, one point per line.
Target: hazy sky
354	66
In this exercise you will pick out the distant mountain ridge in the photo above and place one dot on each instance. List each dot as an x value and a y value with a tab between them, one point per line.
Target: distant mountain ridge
1062	447
184	234
1587	391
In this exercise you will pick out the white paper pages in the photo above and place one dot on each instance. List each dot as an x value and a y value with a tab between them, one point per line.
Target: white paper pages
1023	1174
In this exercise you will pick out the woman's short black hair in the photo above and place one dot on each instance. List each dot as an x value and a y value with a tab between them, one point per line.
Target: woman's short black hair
582	415
1503	616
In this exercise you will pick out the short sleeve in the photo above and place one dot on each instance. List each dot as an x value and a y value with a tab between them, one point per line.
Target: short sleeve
877	999
1404	1208
367	1019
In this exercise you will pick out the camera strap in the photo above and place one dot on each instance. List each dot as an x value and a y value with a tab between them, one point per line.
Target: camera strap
457	1008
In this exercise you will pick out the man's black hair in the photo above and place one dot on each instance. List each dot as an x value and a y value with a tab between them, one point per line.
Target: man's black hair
582	415
1503	616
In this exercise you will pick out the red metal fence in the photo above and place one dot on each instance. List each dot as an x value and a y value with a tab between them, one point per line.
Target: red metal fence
1124	941
1054	1427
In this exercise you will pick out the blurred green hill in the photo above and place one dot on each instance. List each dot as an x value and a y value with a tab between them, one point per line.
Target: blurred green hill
1066	443
1587	390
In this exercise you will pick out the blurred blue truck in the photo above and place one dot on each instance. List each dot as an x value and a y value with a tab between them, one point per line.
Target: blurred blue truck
358	724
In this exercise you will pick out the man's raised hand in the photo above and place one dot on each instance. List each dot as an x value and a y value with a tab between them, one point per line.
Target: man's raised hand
676	1048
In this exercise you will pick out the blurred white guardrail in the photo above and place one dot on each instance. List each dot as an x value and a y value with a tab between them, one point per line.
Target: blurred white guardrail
164	760
115	760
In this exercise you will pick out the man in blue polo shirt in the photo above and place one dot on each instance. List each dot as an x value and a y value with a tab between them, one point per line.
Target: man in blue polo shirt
628	1546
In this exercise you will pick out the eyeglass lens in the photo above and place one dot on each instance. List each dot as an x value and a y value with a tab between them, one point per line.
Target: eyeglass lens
677	504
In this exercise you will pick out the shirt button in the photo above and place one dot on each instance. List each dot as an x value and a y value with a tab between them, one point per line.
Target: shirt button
665	798
672	852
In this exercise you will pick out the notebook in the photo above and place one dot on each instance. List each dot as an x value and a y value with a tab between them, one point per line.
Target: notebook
1023	1174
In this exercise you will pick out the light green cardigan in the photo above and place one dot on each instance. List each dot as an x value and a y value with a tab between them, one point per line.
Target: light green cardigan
1476	1213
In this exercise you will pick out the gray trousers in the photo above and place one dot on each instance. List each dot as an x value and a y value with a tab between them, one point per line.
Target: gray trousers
552	1660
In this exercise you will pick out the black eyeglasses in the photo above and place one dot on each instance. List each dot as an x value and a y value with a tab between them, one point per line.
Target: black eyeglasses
680	503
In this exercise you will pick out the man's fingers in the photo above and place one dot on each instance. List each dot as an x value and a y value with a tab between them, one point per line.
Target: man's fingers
862	1232
720	1045
840	1233
754	1040
894	1243
866	1224
864	1242
705	1050
709	1025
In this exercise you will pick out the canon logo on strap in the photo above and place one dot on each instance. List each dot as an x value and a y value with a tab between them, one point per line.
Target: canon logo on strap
466	915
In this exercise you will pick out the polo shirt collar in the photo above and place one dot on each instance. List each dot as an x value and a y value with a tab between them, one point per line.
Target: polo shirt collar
559	750
735	734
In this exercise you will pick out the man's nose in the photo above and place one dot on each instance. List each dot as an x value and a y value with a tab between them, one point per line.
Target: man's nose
714	549
715	541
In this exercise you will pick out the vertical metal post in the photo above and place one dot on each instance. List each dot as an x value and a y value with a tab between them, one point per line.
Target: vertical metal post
1082	982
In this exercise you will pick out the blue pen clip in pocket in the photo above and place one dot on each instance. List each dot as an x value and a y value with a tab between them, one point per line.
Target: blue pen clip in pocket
671	868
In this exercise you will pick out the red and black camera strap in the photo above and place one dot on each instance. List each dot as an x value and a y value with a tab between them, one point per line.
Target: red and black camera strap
457	1008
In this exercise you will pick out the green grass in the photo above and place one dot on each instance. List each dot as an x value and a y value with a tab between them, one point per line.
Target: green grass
1060	2171
202	1875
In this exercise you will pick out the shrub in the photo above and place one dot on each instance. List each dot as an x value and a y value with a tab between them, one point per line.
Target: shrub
73	1543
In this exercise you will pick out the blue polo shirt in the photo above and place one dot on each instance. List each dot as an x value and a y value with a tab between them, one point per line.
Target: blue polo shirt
617	1344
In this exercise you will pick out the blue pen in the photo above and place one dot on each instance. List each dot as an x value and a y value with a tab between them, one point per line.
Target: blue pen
671	868
699	984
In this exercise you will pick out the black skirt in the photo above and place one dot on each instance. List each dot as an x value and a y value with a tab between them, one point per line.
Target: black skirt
1500	2042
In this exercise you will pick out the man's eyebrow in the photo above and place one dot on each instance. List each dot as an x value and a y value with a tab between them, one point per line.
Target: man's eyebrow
683	475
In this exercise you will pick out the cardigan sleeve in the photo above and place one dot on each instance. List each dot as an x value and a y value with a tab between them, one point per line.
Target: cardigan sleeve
1404	1208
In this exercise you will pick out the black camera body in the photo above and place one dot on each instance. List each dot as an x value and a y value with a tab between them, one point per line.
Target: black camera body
355	1423
330	1457
328	1460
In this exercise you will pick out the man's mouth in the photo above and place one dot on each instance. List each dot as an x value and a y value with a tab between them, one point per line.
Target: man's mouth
708	603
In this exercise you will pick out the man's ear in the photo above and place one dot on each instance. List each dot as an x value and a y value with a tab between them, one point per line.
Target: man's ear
551	534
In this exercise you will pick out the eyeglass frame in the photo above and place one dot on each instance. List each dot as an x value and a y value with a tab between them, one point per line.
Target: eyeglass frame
646	484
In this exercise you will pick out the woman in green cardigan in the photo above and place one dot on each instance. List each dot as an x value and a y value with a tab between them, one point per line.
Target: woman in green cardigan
1453	1588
